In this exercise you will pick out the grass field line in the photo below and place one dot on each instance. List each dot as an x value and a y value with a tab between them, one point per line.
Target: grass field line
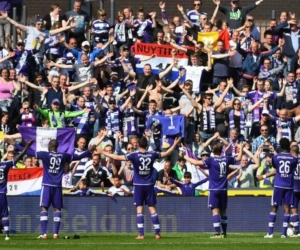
145	242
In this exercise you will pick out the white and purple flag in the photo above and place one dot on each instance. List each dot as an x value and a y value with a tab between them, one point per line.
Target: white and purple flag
42	137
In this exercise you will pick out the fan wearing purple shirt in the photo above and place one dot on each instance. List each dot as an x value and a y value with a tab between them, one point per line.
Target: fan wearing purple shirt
218	167
143	181
4	168
285	164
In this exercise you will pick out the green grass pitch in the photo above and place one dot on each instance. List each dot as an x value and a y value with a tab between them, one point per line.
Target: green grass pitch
172	241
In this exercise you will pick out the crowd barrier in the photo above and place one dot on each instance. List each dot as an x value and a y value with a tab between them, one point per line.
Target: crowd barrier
117	214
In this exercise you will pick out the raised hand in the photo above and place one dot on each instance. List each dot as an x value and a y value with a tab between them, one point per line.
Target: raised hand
281	42
149	87
110	54
41	38
162	5
73	25
92	148
177	140
180	8
21	78
86	110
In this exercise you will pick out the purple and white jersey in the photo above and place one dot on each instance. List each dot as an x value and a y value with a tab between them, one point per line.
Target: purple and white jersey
285	165
143	167
218	171
194	16
4	168
53	164
297	177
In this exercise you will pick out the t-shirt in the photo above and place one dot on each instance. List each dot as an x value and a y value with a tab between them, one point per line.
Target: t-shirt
221	66
53	164
83	73
32	34
81	18
194	73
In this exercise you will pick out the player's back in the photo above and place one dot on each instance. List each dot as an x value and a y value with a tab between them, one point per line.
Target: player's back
4	168
218	171
53	163
297	177
285	165
143	167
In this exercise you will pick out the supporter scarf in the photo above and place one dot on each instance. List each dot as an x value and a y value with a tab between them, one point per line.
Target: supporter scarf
22	62
242	121
212	118
112	121
27	119
129	123
120	32
256	111
142	28
285	128
82	122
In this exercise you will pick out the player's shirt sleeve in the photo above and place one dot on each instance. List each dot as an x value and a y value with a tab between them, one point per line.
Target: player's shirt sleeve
207	162
40	155
129	157
9	164
156	155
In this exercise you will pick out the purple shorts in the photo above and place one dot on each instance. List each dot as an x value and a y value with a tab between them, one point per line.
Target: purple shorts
282	196
296	200
51	195
217	199
144	195
3	205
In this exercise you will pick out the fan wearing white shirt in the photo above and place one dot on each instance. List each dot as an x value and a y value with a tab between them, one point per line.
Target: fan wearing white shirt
194	72
118	189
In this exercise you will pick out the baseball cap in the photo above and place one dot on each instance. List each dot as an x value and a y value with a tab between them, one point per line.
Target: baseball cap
20	41
124	47
111	100
85	43
55	101
131	87
114	73
38	19
204	153
265	112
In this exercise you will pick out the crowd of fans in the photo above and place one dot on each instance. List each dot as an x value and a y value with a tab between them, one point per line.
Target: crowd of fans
56	77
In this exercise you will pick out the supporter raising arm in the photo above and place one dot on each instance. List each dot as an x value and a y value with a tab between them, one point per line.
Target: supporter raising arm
4	15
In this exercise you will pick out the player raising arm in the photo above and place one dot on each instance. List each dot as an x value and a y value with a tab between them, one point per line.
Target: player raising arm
4	168
143	181
285	164
218	170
